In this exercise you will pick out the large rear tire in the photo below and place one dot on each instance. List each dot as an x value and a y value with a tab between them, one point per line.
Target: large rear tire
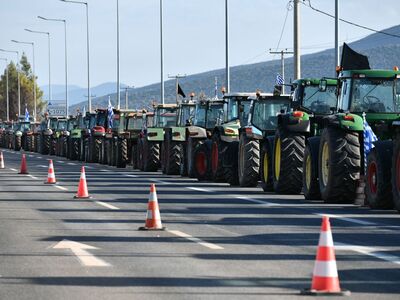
310	170
172	159
339	165
202	161
121	153
217	147
396	173
17	143
266	165
249	161
151	156
189	161
230	163
378	189
287	164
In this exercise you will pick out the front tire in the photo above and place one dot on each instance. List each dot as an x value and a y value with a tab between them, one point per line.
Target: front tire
396	173
310	170
249	161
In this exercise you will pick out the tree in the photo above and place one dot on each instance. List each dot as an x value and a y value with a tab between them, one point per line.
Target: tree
26	83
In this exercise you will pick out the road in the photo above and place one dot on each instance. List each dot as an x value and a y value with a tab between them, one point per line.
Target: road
221	242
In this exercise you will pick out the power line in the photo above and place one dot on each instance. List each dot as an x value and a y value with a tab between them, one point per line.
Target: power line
348	22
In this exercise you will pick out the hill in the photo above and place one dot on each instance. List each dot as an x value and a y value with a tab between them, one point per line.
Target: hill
383	52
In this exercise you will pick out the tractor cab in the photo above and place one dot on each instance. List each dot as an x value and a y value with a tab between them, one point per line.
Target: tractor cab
165	115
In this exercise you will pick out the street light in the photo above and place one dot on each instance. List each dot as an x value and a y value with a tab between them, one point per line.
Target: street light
66	58
48	41
162	51
8	99
87	47
34	74
18	79
227	71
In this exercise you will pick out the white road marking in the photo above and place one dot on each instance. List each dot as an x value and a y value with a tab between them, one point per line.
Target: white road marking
88	167
351	220
370	251
40	157
12	169
107	205
84	256
33	177
196	240
42	166
60	161
71	164
256	201
130	175
104	170
60	187
159	181
199	189
30	155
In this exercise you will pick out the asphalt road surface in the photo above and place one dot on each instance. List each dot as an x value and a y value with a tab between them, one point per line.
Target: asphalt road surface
220	243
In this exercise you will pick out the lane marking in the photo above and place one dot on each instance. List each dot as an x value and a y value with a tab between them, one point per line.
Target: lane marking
12	169
42	166
60	161
79	249
351	220
256	201
40	157
88	167
33	177
71	164
104	170
199	189
375	252
60	187
107	205
196	240
160	181
130	175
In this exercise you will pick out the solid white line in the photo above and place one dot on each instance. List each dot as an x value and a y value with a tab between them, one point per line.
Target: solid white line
60	187
107	205
130	175
33	177
12	169
370	251
196	240
199	189
351	220
104	170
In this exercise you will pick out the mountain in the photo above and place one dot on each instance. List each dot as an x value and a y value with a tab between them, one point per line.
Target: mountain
383	52
77	94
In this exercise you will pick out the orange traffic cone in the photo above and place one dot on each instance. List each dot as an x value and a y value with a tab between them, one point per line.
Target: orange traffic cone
325	279
24	168
51	176
82	188
153	217
1	160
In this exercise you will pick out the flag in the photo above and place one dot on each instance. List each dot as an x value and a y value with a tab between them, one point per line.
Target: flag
279	79
180	91
352	60
26	114
369	139
110	113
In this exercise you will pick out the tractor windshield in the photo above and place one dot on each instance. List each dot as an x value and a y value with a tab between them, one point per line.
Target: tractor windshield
317	101
265	113
23	127
116	121
135	123
71	124
375	95
53	123
200	115
62	125
213	113
101	118
186	114
238	109
165	117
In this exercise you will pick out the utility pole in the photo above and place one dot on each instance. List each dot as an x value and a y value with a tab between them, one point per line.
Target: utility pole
118	65
176	77
126	94
161	51
227	71
337	62
282	53
296	39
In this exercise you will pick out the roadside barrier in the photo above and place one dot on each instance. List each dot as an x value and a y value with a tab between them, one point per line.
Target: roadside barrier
325	279
24	167
153	217
82	188
51	176
1	160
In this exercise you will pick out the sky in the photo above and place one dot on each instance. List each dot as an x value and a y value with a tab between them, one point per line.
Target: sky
194	34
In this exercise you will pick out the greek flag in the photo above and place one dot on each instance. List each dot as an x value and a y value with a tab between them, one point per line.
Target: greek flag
369	138
110	113
26	115
279	79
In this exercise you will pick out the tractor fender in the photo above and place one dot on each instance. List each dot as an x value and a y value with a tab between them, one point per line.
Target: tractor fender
345	121
196	132
294	124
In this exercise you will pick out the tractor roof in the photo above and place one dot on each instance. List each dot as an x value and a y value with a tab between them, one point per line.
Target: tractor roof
238	95
370	73
166	106
313	81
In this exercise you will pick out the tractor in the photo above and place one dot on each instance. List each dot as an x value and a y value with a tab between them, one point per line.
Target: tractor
19	135
93	139
59	129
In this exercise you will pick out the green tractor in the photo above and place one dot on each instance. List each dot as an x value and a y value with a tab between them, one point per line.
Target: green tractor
95	135
297	138
63	138
199	131
19	135
256	139
75	129
135	124
59	128
374	95
152	138
174	138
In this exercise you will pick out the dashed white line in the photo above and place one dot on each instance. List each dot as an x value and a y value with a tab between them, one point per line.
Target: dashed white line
256	201
33	177
39	157
104	170
60	187
159	181
12	169
88	167
351	220
370	251
42	166
107	205
71	164
60	161
199	189
196	240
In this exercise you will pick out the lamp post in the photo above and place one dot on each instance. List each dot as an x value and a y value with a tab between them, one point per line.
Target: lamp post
8	99
162	51
48	42
18	79
227	71
87	48
118	71
66	58
34	74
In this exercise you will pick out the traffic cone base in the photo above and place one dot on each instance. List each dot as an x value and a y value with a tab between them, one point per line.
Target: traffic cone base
82	188
24	168
325	281
51	177
153	217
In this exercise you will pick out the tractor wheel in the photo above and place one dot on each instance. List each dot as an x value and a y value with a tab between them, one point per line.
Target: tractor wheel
17	145
75	149
287	163
65	147
172	157
108	152
217	168
202	161
97	149
189	162
249	161
339	165
230	163
121	153
396	173
53	146
183	160
266	165
378	190
151	156
310	170
135	155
